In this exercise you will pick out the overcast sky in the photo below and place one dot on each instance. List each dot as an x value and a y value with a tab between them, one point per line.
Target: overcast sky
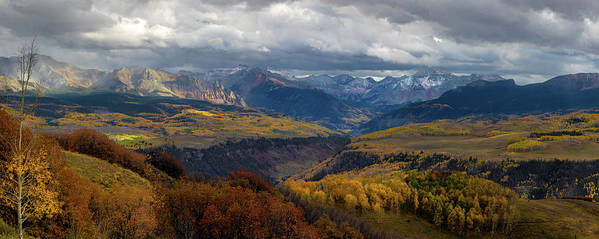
527	40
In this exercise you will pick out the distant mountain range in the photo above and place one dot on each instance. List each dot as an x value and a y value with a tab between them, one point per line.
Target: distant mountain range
422	86
341	102
243	86
54	76
562	93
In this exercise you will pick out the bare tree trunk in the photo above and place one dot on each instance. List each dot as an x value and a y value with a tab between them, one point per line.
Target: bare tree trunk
27	58
20	206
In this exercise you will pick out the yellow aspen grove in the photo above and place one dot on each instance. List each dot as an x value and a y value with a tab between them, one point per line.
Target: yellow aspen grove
26	176
24	166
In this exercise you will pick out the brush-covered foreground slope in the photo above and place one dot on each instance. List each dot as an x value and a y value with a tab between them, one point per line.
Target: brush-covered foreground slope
51	75
262	88
150	121
562	93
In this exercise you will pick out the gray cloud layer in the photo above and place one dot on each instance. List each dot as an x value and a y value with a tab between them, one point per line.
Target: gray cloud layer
525	39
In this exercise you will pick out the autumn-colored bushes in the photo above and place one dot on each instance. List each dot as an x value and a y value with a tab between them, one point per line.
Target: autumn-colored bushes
249	180
28	166
200	210
89	211
9	132
126	212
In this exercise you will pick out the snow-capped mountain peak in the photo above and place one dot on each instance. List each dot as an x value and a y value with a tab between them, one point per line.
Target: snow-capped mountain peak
423	85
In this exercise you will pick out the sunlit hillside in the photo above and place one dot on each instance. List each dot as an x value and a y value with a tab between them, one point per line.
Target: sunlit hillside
571	136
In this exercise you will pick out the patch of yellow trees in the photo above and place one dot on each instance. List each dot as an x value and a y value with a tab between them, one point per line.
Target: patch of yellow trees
457	202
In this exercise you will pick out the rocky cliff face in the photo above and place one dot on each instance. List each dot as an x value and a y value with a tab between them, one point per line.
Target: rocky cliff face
150	82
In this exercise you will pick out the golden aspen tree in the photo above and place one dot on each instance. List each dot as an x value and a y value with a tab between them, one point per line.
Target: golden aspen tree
350	201
25	168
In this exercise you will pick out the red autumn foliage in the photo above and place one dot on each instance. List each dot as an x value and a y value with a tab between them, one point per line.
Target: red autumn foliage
249	180
80	196
126	212
9	133
199	210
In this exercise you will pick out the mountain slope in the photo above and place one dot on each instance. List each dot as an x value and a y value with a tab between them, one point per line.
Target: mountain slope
424	85
261	88
562	93
150	82
57	76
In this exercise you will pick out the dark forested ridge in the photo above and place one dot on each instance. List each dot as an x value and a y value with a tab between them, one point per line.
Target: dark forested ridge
271	158
562	93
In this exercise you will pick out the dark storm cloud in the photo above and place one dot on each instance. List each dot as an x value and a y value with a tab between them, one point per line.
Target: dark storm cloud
26	17
308	60
536	37
493	21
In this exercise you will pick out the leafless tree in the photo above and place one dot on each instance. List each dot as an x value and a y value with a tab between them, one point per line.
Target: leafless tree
27	58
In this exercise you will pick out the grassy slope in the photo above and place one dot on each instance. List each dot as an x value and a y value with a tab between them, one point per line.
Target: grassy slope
493	147
558	219
539	219
104	173
408	225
